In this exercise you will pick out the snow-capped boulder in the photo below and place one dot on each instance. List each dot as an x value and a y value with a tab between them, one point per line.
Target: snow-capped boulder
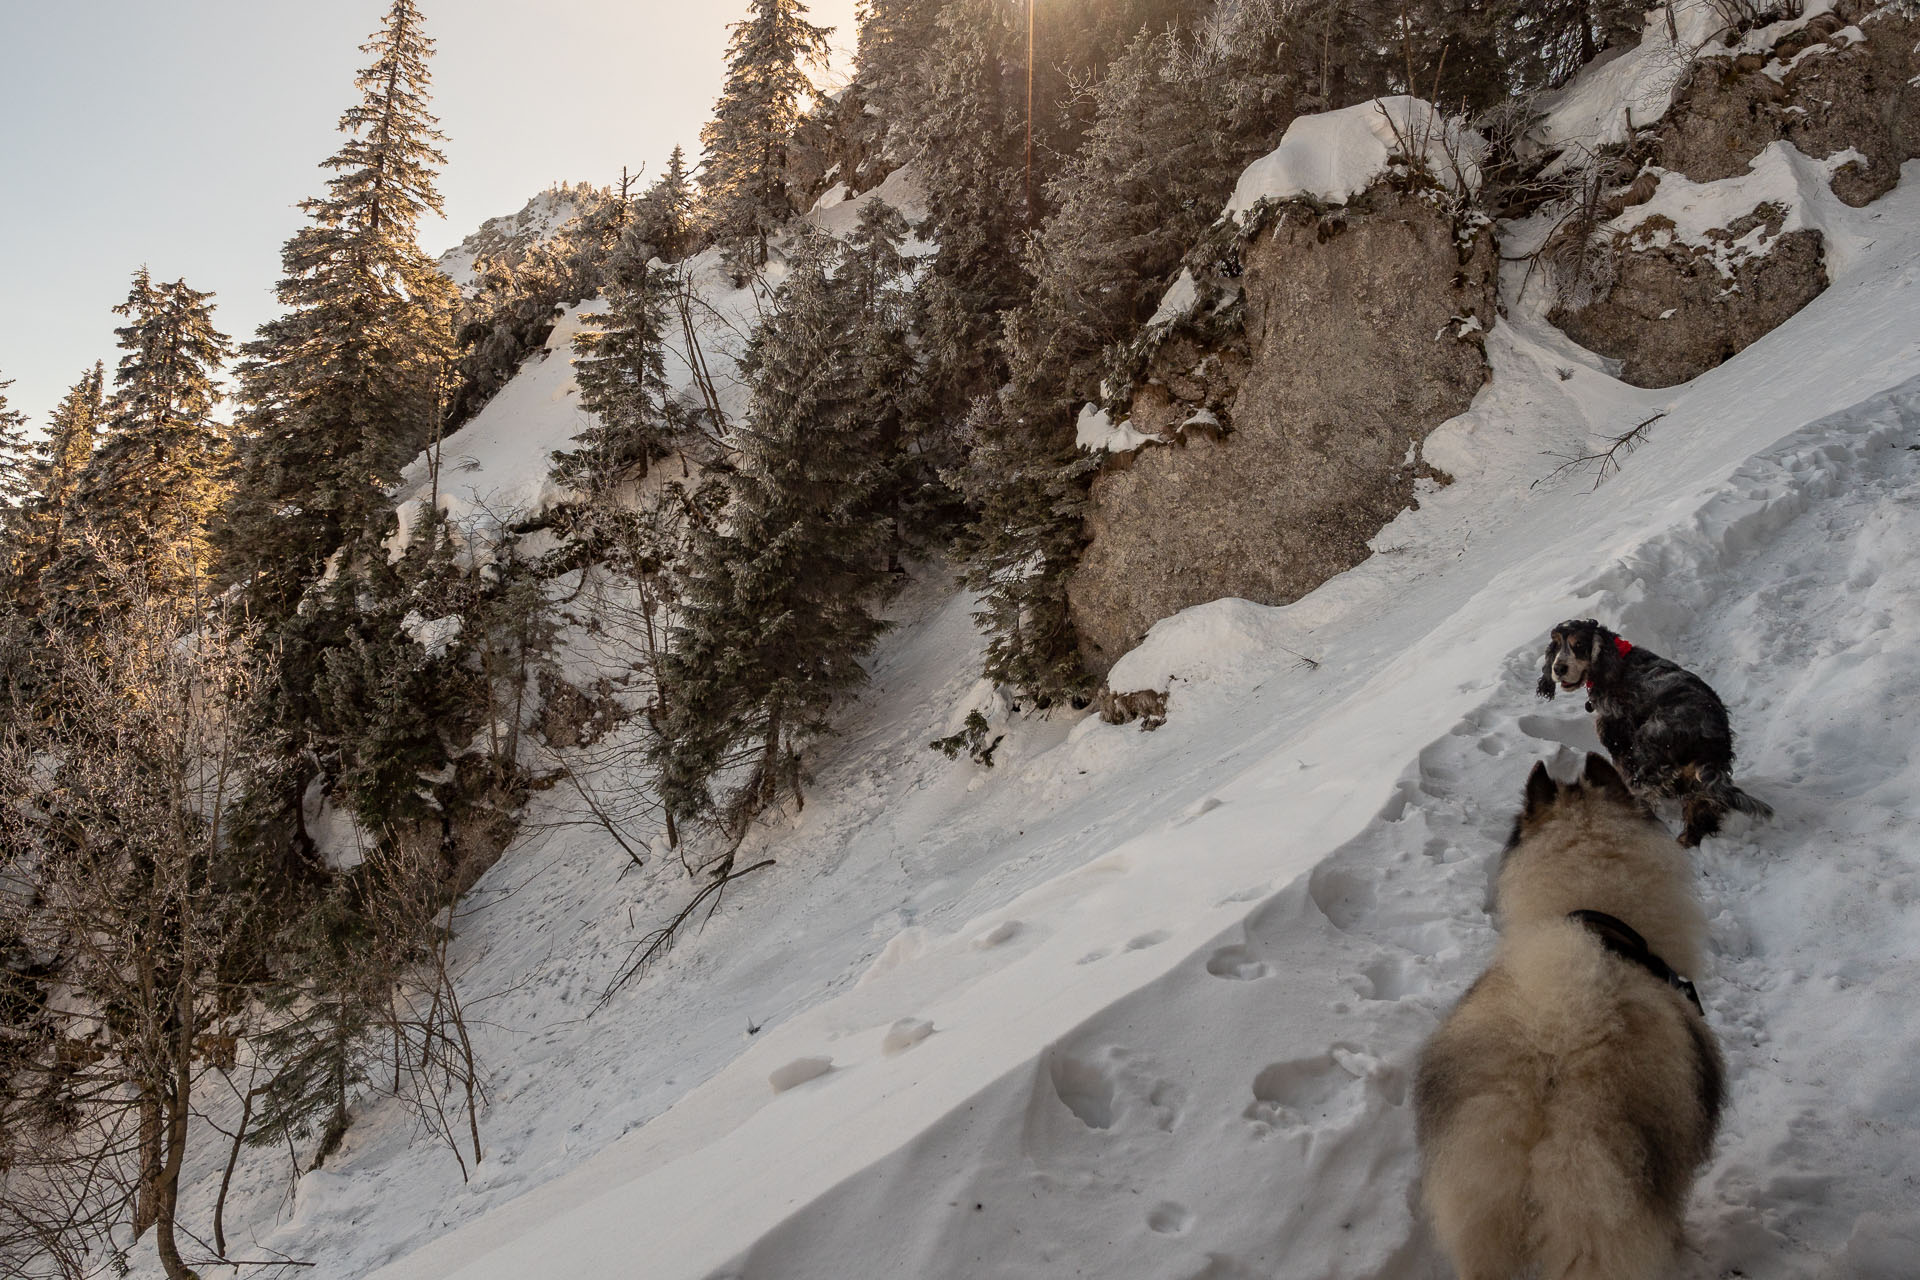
1729	232
1700	271
1334	156
1293	390
1833	78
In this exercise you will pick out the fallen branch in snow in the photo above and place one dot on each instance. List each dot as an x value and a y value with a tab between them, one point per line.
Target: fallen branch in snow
651	946
1607	460
602	819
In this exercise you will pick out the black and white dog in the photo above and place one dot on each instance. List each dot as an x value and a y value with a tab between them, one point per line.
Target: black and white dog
1665	728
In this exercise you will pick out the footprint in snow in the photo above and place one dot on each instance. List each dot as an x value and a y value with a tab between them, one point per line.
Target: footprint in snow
798	1072
1237	963
1169	1218
1168	1101
905	1034
1306	1092
1085	1090
998	934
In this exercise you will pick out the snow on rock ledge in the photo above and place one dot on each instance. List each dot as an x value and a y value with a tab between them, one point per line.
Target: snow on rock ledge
1697	214
1607	102
1096	430
1704	269
1334	156
1179	300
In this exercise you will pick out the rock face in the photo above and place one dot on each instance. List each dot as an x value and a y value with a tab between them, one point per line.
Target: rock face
1842	86
1296	444
1677	310
1844	80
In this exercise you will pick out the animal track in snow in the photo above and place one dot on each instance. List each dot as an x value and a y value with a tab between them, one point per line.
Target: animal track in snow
1085	1090
1150	939
1387	979
1436	777
1238	963
1302	1093
905	1034
1344	894
998	934
1169	1102
798	1072
1169	1218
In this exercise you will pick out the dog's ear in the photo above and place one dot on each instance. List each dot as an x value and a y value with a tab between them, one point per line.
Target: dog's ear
1541	789
1602	776
1548	686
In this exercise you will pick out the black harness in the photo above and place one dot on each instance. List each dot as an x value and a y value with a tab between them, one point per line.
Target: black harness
1621	938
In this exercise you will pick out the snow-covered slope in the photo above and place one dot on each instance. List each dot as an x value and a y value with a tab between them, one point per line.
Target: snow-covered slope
495	468
1185	1051
1145	1004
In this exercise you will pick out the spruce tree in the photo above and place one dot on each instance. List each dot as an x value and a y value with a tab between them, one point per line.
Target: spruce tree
149	491
15	459
872	286
743	178
50	516
664	214
971	146
63	457
897	39
621	371
776	603
345	389
16	490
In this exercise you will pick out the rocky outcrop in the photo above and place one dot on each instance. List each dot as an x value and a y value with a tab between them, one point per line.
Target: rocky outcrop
573	717
1844	80
1785	114
1295	433
1676	310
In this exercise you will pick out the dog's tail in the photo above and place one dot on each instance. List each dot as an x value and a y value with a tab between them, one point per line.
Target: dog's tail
1718	785
1709	794
1747	804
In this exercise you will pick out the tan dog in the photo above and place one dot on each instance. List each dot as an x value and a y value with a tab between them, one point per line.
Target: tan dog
1566	1103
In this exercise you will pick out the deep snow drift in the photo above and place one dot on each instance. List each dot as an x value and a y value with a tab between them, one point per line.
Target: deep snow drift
1145	1004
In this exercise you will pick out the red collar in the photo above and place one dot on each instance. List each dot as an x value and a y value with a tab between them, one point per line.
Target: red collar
1621	647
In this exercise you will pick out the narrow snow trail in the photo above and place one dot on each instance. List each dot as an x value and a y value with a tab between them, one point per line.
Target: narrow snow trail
1187	1056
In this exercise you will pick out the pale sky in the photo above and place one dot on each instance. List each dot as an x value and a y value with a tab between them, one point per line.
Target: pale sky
181	134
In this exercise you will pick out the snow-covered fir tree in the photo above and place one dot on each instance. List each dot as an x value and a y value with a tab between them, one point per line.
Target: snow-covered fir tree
873	287
15	458
150	489
665	212
776	606
621	371
971	137
743	187
345	388
897	39
58	460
